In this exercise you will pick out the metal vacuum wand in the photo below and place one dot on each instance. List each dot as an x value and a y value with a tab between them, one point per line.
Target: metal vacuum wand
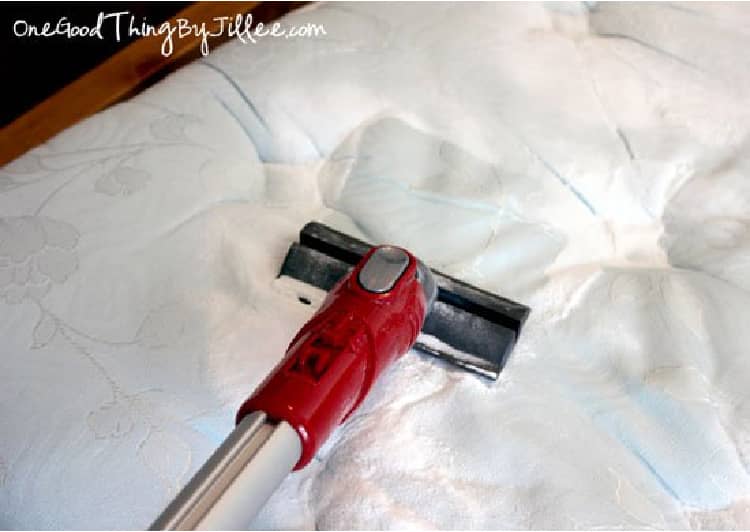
370	318
234	484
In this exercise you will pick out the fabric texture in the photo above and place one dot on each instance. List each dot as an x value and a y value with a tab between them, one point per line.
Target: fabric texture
588	160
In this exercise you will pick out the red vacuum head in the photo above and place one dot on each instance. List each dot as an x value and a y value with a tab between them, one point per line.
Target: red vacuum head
371	317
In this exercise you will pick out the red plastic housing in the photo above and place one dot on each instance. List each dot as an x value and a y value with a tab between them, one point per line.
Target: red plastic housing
334	359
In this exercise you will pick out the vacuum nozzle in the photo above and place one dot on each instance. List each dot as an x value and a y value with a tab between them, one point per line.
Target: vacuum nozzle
466	326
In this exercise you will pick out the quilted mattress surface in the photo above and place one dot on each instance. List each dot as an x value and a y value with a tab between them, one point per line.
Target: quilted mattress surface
589	160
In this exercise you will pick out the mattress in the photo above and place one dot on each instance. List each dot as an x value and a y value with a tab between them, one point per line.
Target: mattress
589	160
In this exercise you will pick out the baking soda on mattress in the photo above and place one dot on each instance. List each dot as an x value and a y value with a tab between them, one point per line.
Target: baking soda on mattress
593	167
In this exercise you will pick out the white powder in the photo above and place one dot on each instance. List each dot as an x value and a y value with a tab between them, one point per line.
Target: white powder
565	170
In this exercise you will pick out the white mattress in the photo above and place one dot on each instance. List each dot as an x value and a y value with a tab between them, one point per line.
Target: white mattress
590	161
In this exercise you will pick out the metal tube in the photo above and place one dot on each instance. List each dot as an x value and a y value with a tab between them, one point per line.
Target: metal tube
237	479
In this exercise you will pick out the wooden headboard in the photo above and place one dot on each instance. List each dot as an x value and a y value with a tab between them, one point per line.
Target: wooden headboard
125	73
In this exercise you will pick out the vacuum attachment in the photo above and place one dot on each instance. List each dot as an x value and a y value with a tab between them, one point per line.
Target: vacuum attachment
381	301
468	327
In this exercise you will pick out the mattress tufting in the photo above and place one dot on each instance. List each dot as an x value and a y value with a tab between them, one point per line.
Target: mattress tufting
589	160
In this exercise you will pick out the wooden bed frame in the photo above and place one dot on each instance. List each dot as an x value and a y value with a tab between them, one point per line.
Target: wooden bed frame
125	73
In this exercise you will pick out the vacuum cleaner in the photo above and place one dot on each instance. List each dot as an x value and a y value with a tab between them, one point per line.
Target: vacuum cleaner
381	302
